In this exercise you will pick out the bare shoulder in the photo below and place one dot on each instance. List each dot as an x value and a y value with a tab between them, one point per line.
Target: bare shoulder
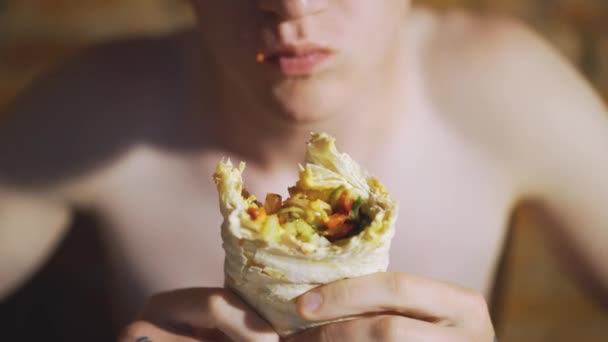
464	32
493	57
478	50
501	84
86	113
70	126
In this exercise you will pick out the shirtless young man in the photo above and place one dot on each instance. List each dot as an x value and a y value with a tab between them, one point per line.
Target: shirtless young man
461	117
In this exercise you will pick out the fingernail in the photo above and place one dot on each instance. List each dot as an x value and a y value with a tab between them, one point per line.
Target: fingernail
311	302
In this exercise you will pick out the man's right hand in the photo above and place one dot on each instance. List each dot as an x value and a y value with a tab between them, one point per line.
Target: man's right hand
198	314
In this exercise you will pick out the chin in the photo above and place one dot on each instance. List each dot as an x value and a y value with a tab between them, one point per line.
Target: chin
304	110
302	117
305	103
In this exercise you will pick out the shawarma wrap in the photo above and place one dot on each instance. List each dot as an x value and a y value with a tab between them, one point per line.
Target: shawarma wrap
337	223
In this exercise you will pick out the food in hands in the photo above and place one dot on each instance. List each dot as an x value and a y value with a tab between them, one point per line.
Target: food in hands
337	222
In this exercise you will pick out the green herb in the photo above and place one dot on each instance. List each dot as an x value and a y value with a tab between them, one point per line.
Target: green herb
335	195
354	211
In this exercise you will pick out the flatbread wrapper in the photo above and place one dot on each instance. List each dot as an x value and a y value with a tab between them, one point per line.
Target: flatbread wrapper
270	270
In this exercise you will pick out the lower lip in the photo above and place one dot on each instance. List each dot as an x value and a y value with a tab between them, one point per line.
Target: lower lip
300	65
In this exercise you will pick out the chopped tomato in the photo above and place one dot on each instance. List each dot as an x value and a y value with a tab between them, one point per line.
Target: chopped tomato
338	227
256	213
273	203
340	232
335	220
345	202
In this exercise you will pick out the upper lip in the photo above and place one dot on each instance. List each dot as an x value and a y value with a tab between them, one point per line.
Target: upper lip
295	50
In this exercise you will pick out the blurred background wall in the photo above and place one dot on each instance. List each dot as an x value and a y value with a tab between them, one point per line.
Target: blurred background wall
537	299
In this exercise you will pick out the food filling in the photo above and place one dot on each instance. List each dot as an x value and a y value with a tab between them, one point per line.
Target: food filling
307	215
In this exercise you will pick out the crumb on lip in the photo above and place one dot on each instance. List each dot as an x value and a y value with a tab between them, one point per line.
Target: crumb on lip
260	57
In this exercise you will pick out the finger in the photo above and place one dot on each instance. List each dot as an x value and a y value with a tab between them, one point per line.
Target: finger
142	331
204	310
379	328
401	293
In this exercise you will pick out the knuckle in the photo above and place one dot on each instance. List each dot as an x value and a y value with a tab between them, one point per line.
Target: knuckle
135	330
479	313
478	302
342	293
396	284
387	328
216	303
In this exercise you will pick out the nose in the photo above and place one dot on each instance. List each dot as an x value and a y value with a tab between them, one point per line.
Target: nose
292	9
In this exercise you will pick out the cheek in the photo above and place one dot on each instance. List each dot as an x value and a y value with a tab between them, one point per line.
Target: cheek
231	20
231	32
376	30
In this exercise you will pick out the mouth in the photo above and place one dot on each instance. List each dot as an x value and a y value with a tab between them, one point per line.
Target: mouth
296	60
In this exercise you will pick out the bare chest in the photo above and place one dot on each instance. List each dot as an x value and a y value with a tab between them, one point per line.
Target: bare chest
163	218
